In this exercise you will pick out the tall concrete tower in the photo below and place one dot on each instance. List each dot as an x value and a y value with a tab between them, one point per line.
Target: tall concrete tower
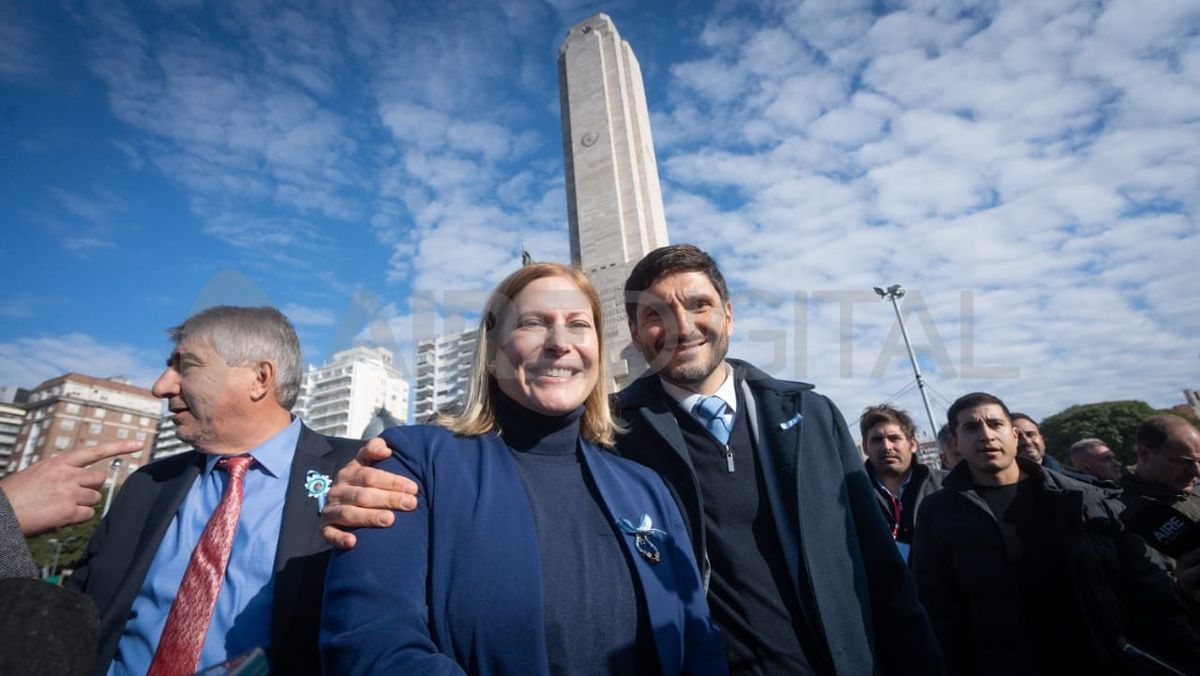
614	202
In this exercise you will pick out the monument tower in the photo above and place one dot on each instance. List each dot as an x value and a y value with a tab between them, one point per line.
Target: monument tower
614	202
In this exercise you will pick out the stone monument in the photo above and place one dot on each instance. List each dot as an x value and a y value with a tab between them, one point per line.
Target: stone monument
614	202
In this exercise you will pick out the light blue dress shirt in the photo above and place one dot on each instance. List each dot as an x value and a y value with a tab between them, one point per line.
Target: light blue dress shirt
242	617
687	399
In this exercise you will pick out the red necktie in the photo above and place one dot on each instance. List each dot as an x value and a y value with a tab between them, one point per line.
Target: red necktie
187	624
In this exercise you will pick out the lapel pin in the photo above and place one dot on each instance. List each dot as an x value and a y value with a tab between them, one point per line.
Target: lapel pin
791	422
317	485
642	534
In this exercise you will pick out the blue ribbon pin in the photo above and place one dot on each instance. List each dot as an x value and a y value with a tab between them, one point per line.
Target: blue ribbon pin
642	534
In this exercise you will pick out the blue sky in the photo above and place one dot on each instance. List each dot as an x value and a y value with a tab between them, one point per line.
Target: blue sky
1030	170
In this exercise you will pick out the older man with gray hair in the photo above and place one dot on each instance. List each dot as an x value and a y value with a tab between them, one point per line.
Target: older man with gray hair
1094	458
208	555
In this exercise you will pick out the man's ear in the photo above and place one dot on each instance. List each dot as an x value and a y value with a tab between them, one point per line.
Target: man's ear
263	383
633	334
1143	453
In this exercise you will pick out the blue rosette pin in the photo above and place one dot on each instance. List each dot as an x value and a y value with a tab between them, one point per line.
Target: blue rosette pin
317	486
643	535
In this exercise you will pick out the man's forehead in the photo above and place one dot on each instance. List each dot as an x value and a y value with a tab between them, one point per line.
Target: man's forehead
1182	448
686	282
981	412
884	429
194	347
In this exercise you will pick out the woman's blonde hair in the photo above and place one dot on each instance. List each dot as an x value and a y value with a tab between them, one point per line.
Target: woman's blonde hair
478	414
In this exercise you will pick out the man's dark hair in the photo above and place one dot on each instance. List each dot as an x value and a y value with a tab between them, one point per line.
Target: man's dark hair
874	415
973	400
670	260
1155	431
943	438
1024	416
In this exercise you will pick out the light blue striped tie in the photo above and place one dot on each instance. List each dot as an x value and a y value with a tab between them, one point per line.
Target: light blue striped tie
711	411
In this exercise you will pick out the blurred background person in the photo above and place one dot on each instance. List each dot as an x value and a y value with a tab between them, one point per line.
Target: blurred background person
1094	458
901	483
1030	442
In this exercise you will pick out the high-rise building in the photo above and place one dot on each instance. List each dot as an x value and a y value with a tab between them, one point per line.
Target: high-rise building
75	410
443	369
340	397
11	394
614	202
167	442
11	416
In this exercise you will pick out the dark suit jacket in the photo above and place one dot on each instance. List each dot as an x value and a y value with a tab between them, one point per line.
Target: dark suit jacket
834	539
120	553
456	586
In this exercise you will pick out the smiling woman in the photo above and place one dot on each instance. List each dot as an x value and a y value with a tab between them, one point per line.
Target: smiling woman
523	555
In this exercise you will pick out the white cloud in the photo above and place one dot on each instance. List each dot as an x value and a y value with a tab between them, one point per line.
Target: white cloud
29	361
86	244
22	48
1034	155
302	315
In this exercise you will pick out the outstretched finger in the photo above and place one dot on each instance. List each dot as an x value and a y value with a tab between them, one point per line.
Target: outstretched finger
82	457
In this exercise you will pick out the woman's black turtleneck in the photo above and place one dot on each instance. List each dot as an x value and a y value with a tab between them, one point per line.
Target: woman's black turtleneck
595	616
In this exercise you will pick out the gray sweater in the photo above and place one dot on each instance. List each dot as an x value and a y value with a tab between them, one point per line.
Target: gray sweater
15	560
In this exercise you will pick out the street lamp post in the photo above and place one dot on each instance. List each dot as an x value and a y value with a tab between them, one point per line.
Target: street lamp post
894	293
58	545
112	486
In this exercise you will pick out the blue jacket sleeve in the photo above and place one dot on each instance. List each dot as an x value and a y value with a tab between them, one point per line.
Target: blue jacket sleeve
375	616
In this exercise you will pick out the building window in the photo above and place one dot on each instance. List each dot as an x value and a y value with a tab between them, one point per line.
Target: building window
122	433
68	424
141	436
126	417
73	408
99	413
90	442
95	428
145	422
62	442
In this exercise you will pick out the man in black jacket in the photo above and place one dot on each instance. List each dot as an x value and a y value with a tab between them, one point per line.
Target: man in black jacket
1160	500
1028	571
889	439
803	576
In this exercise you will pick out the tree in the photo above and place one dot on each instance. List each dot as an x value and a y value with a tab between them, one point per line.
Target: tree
1113	422
74	539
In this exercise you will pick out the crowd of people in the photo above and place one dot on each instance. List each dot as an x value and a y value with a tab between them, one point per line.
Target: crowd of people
707	519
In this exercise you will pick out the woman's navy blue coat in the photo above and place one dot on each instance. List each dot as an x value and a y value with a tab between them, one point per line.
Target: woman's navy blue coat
455	586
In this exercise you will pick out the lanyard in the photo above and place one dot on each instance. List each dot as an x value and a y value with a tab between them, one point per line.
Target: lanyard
895	515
